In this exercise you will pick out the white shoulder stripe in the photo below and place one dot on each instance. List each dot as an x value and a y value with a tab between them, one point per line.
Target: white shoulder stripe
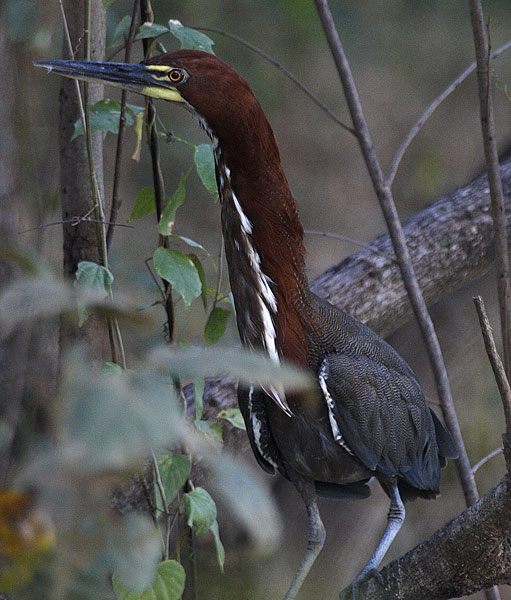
256	430
323	376
246	225
265	335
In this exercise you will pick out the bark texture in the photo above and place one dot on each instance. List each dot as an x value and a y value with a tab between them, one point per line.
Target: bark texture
450	242
80	241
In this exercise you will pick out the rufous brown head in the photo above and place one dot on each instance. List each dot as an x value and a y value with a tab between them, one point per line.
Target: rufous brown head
206	85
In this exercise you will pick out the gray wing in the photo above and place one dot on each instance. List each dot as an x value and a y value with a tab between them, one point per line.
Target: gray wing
380	414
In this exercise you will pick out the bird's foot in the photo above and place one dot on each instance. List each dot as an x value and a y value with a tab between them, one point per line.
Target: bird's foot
352	591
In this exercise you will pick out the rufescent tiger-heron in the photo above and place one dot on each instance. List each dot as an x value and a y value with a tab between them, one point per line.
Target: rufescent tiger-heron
370	417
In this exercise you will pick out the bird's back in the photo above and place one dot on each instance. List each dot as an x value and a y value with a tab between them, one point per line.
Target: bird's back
375	402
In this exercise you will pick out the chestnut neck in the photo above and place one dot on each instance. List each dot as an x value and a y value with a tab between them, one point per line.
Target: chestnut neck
264	242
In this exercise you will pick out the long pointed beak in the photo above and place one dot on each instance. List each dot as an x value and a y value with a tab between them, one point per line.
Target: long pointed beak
140	78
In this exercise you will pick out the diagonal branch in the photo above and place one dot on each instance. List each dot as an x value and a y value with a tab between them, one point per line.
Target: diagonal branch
431	109
496	363
283	70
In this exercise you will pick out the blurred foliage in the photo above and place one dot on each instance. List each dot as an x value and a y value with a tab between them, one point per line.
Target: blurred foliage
104	424
58	534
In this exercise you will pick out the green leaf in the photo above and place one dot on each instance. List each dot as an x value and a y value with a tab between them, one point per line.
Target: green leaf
92	281
216	325
205	167
178	269
111	367
168	215
95	277
145	204
220	552
139	122
202	276
190	38
200	509
150	30
51	298
194	244
253	503
174	471
136	110
107	3
233	416
169	584
121	31
104	116
198	394
212	429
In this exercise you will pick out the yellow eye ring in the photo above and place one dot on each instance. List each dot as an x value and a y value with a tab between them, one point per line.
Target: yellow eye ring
176	75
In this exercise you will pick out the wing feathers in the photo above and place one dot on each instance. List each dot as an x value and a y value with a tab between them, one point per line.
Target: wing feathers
382	416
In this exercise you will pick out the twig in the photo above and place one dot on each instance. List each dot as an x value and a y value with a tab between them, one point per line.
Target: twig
345	238
386	200
116	201
161	490
281	68
494	182
430	110
495	361
159	184
485	459
219	273
75	221
160	289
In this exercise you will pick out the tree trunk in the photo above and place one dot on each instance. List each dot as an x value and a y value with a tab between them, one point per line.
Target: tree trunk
80	241
13	218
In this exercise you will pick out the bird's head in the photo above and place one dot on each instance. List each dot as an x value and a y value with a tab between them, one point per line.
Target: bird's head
202	82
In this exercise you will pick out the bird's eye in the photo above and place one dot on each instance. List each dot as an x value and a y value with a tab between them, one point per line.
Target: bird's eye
176	75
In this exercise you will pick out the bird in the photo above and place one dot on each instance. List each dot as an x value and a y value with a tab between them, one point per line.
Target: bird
369	417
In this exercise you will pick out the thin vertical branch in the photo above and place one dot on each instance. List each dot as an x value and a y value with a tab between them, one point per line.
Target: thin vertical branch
505	394
482	51
159	185
161	491
495	361
386	200
116	201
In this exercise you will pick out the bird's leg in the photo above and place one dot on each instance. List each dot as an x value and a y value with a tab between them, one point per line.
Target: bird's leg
315	539
395	518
